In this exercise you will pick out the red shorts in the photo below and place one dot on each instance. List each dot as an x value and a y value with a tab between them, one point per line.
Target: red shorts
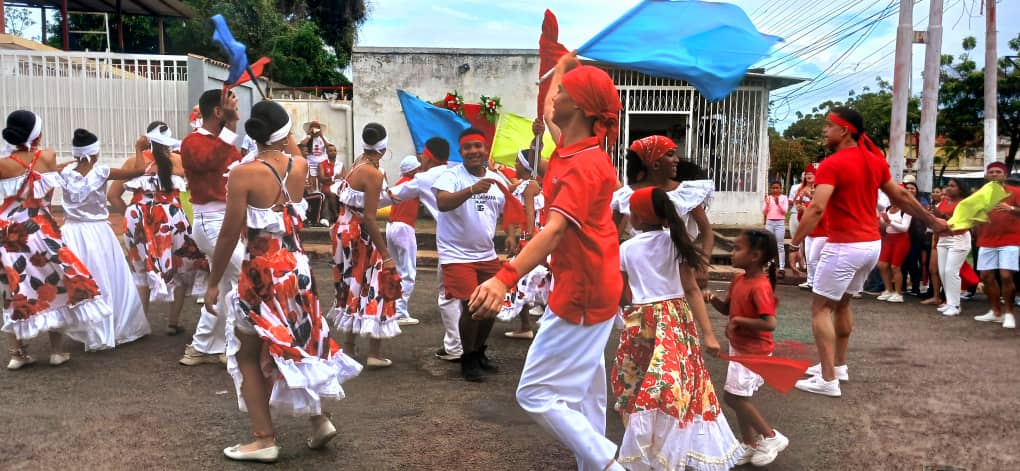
895	248
461	279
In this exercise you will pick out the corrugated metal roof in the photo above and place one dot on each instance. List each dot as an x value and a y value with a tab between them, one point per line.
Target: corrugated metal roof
165	8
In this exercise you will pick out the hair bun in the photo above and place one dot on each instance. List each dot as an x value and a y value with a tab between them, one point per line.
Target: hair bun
257	129
373	133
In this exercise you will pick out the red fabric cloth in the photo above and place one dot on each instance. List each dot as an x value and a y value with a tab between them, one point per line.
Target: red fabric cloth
780	373
461	279
474	116
968	276
895	248
549	53
1003	227
856	175
405	211
513	209
751	298
579	184
593	90
641	205
652	148
255	67
206	158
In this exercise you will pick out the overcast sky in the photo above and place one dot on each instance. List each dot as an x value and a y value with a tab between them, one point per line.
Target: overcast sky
517	24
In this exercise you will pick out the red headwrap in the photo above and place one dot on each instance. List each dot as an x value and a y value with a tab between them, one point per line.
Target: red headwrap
652	148
427	154
999	165
593	90
810	169
472	137
863	141
642	207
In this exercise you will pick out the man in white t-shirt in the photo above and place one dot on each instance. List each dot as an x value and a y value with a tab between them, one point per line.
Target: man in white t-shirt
469	207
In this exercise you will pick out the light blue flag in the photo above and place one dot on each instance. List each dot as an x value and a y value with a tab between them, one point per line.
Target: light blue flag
710	45
426	121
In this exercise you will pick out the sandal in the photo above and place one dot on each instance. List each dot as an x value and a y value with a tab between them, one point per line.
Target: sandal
932	301
519	335
172	330
322	434
19	359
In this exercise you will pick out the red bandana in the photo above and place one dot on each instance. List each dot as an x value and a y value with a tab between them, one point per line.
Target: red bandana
472	137
592	89
641	206
652	148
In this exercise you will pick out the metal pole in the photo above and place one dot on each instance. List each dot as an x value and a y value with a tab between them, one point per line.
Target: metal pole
901	89
162	37
930	99
65	39
991	86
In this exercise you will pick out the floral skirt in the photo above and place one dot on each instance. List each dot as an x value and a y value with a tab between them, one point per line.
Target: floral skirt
532	288
45	285
277	301
672	416
360	306
161	250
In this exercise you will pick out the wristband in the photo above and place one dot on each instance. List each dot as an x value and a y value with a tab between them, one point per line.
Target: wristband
508	275
794	248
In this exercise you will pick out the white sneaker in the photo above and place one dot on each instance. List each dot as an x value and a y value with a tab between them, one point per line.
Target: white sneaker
856	295
842	373
885	295
766	450
537	311
19	360
324	222
950	311
57	359
746	453
804	285
988	317
817	385
944	307
407	321
895	298
1008	321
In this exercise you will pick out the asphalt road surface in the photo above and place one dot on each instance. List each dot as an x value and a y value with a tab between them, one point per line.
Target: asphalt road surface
925	392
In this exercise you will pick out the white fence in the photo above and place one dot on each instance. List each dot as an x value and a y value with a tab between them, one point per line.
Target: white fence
113	95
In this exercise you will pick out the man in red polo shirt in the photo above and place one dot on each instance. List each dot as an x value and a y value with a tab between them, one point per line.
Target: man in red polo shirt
999	251
206	153
563	385
846	192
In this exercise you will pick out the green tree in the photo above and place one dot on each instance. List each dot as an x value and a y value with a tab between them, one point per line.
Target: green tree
789	156
17	21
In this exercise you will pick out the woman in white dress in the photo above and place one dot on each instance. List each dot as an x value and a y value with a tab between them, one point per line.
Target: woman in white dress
87	232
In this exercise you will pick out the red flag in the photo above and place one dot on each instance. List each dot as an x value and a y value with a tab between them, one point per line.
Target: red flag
780	373
513	210
968	277
255	67
549	52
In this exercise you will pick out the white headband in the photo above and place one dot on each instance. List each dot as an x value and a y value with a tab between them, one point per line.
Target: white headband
280	133
164	138
9	148
378	146
524	161
85	152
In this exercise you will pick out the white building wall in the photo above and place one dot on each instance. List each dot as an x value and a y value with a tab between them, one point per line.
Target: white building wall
430	74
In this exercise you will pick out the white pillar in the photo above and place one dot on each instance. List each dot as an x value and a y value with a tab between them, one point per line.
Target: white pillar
901	90
991	86
930	98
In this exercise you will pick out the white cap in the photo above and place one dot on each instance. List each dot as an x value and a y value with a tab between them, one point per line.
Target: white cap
909	179
409	164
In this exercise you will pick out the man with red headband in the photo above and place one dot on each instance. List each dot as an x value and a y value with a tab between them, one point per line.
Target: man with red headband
846	189
470	204
563	385
999	251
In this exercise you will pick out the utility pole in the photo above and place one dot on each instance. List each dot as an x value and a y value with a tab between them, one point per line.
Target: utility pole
991	87
901	89
930	99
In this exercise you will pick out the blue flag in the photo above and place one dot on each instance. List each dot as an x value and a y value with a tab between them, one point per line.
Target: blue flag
235	51
426	121
710	45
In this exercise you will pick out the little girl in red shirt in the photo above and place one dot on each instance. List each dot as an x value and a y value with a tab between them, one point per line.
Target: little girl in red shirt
664	393
751	307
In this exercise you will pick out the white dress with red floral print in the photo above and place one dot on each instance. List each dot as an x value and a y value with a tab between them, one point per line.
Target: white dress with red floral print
276	299
671	414
158	236
45	287
533	287
359	306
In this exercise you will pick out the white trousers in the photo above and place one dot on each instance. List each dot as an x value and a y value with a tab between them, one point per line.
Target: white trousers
794	222
209	333
403	248
778	228
449	313
812	252
952	252
563	387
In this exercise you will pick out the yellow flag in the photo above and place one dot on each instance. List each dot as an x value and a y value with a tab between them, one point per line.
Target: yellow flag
974	209
513	133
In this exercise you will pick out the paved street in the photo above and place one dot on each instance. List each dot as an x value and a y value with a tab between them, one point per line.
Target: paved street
924	391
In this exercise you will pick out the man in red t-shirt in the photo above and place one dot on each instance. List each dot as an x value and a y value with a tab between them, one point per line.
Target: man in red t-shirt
846	192
563	385
999	251
206	153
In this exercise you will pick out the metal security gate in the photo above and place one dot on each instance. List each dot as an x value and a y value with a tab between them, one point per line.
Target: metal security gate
113	95
728	138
